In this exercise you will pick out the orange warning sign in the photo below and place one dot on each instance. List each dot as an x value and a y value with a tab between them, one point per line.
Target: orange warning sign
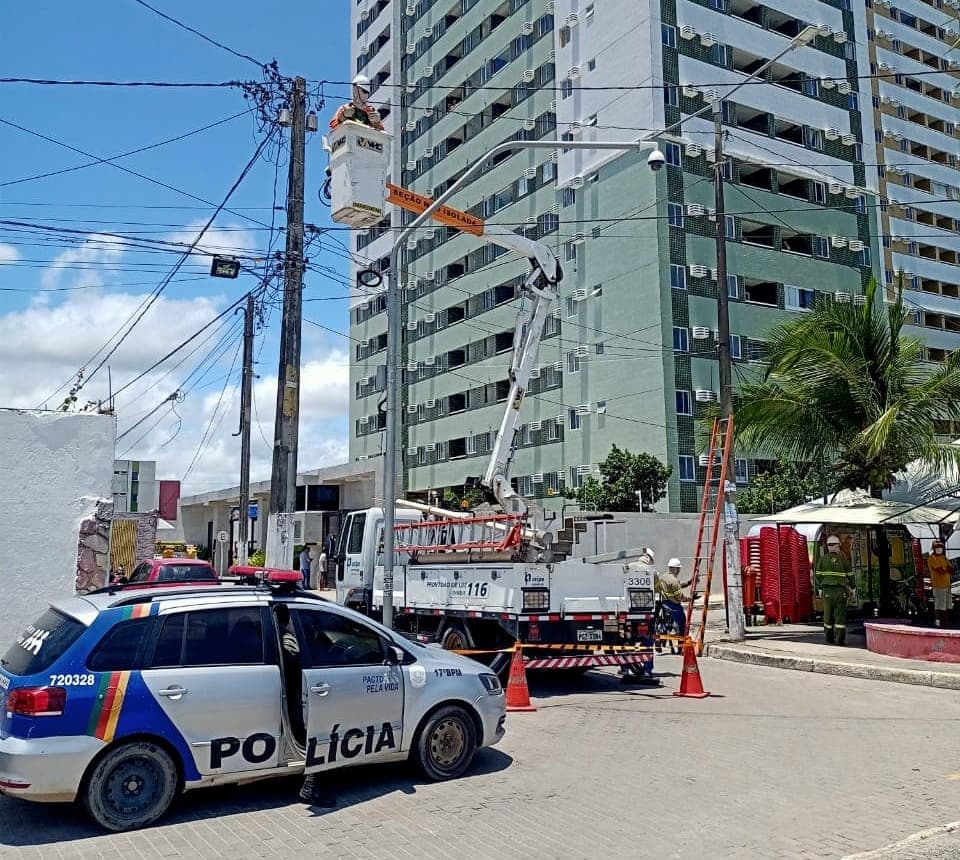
407	199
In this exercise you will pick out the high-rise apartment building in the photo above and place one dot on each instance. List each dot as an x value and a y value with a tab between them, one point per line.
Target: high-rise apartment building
630	356
135	486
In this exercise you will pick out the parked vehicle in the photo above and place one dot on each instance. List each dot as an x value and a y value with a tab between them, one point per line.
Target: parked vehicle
176	571
124	699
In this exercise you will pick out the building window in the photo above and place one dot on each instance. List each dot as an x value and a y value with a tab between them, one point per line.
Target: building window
672	154
819	192
684	403
571	306
599	348
687	470
568	196
740	467
569	252
798	298
681	339
675	214
821	247
549	171
566	88
865	256
668	35
730	226
733	287
574	419
736	346
592	64
671	95
678	276
573	365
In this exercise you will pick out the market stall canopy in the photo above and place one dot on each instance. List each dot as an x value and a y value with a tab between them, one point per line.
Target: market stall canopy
861	509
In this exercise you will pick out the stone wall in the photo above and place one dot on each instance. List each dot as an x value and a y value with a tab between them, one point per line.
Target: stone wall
93	550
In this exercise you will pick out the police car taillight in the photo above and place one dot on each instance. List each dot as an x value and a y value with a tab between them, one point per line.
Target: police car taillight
283	577
37	701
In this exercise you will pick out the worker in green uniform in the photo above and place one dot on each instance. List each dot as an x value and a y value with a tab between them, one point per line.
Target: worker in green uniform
833	571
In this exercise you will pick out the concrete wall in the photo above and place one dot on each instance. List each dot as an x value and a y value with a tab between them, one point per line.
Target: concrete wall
54	467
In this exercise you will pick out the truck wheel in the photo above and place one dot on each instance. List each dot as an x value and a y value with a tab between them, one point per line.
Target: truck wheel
455	638
446	743
131	786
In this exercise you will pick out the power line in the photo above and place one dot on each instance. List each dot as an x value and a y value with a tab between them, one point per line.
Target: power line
204	36
157	84
96	161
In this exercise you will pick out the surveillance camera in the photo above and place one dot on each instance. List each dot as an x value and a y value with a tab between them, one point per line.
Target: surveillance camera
656	160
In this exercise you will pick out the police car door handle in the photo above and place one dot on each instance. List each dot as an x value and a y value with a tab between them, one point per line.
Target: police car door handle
320	689
174	692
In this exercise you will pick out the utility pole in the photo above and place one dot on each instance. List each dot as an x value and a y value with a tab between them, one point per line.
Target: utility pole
246	403
731	522
283	479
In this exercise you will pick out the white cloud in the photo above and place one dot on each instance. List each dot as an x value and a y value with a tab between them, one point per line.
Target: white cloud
87	263
8	254
231	239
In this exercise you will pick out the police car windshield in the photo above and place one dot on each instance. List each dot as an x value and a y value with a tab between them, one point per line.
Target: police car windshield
41	643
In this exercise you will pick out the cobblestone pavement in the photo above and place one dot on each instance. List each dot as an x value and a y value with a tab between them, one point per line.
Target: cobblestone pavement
774	765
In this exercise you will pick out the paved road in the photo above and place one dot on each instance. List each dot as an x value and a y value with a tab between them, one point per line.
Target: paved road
776	765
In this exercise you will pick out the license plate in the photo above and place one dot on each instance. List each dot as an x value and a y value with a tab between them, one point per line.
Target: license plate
589	636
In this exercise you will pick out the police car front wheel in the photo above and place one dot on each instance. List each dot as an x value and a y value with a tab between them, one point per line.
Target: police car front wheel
446	743
131	786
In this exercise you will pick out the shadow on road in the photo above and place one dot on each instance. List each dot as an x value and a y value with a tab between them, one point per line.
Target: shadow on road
25	824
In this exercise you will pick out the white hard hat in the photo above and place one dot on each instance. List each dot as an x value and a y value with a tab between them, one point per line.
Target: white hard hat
362	81
674	562
649	553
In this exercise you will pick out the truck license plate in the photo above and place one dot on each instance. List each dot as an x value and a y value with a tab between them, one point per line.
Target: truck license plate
589	636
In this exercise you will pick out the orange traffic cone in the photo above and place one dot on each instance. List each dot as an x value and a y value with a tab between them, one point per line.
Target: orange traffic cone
518	694
691	686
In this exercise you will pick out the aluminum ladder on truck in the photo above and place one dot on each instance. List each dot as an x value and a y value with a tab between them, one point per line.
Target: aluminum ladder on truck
709	526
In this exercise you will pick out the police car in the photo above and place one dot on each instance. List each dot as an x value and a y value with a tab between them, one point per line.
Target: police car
123	698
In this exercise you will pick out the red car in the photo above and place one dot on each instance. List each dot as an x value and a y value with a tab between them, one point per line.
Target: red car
174	571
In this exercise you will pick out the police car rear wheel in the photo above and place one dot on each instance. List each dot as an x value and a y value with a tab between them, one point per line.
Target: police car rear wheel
131	786
446	744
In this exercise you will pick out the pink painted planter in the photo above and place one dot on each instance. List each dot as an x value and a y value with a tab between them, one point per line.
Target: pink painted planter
913	643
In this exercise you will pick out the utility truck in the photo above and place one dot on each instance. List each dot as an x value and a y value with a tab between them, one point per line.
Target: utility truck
486	582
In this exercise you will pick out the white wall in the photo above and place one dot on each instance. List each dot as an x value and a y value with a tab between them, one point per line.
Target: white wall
54	467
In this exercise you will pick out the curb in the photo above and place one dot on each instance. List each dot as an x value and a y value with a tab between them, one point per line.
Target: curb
756	657
914	839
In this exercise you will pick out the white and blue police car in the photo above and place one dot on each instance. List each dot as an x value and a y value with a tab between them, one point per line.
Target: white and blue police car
123	698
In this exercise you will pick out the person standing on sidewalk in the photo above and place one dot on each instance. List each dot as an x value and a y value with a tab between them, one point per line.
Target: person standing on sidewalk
833	571
305	566
940	570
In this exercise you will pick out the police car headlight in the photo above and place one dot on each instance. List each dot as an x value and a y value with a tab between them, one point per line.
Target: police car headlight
492	684
641	598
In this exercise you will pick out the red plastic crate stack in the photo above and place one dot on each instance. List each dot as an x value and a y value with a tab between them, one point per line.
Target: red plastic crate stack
770	575
804	581
789	610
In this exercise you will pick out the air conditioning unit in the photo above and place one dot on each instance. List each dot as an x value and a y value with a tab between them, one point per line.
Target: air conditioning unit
703	395
584	470
551	56
713	274
411	125
412	325
427	71
831	133
411	165
529	124
701	332
855	245
526	28
860	300
842	298
884	36
884	66
712	214
555	209
535	373
412	452
697	271
690	91
576	182
427	31
852	193
429	404
411	244
579	238
827	83
530	221
412	365
411	10
838	241
576	128
429	276
886	100
583	409
582	352
428	112
849	139
430	232
553	106
708	40
413	409
429	318
530	173
824	29
549	7
573	73
364	421
704	460
836	187
579	295
695	209
898	239
536	478
558	366
694	150
573	19
529	75
428	152
429	361
430	446
839	37
687	32
711	154
534	426
844	88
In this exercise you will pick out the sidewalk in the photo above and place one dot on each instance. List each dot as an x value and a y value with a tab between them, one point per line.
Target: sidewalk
801	647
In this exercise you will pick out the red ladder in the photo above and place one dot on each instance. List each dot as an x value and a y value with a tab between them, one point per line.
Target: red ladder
708	529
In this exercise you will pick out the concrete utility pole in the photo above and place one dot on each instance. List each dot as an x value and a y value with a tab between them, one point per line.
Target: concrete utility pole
246	403
283	479
731	523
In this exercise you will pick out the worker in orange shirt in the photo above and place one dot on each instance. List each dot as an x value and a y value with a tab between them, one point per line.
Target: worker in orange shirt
359	108
940	570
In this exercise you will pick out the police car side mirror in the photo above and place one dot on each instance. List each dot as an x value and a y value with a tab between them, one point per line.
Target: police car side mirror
395	655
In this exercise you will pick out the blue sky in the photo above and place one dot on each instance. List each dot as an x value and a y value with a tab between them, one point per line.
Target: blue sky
62	298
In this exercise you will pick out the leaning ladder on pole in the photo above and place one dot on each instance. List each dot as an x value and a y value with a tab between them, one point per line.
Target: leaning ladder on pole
708	530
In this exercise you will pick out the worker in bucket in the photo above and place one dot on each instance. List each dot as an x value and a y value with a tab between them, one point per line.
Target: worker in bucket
359	109
833	571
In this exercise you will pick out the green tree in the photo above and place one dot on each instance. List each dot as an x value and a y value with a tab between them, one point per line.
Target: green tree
784	486
622	474
845	387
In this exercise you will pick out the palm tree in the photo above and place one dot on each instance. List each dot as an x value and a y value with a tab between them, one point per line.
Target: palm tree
845	387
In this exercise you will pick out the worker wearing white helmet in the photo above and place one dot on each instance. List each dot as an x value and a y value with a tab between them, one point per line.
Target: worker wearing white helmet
359	108
670	589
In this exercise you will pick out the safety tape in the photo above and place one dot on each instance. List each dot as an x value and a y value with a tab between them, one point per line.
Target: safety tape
532	646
